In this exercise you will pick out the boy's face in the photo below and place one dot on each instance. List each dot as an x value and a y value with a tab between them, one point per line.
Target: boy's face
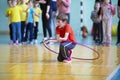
10	3
14	3
60	23
30	4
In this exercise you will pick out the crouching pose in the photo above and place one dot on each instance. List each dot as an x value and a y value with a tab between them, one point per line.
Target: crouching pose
64	35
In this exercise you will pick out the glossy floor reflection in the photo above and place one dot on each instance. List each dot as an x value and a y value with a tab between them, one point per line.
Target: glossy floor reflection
37	63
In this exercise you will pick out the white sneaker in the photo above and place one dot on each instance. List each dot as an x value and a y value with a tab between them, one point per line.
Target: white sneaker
44	39
50	38
31	42
35	41
17	42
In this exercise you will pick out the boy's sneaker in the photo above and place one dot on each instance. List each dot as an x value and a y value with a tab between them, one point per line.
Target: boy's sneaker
43	40
35	41
67	60
31	42
17	42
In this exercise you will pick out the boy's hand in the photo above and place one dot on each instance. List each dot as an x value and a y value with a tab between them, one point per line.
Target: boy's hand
60	39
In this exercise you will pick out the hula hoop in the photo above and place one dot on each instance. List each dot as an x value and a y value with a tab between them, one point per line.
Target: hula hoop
97	53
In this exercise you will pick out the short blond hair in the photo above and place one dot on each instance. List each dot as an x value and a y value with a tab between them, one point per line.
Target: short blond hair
62	17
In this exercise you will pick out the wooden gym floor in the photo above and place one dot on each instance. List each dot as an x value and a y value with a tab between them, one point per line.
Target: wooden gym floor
35	62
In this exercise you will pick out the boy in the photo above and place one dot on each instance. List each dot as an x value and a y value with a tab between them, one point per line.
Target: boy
23	16
36	20
9	21
14	14
30	23
64	35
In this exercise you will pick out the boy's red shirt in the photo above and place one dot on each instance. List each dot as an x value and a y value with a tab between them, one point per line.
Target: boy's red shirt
66	29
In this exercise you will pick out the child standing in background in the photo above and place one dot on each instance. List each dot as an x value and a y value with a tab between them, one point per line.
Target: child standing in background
107	11
30	23
23	19
36	19
96	22
14	14
9	21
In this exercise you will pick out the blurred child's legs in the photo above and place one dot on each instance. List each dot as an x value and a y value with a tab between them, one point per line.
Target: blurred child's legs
107	24
23	31
101	32
36	30
97	32
16	29
29	32
64	52
10	33
95	35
